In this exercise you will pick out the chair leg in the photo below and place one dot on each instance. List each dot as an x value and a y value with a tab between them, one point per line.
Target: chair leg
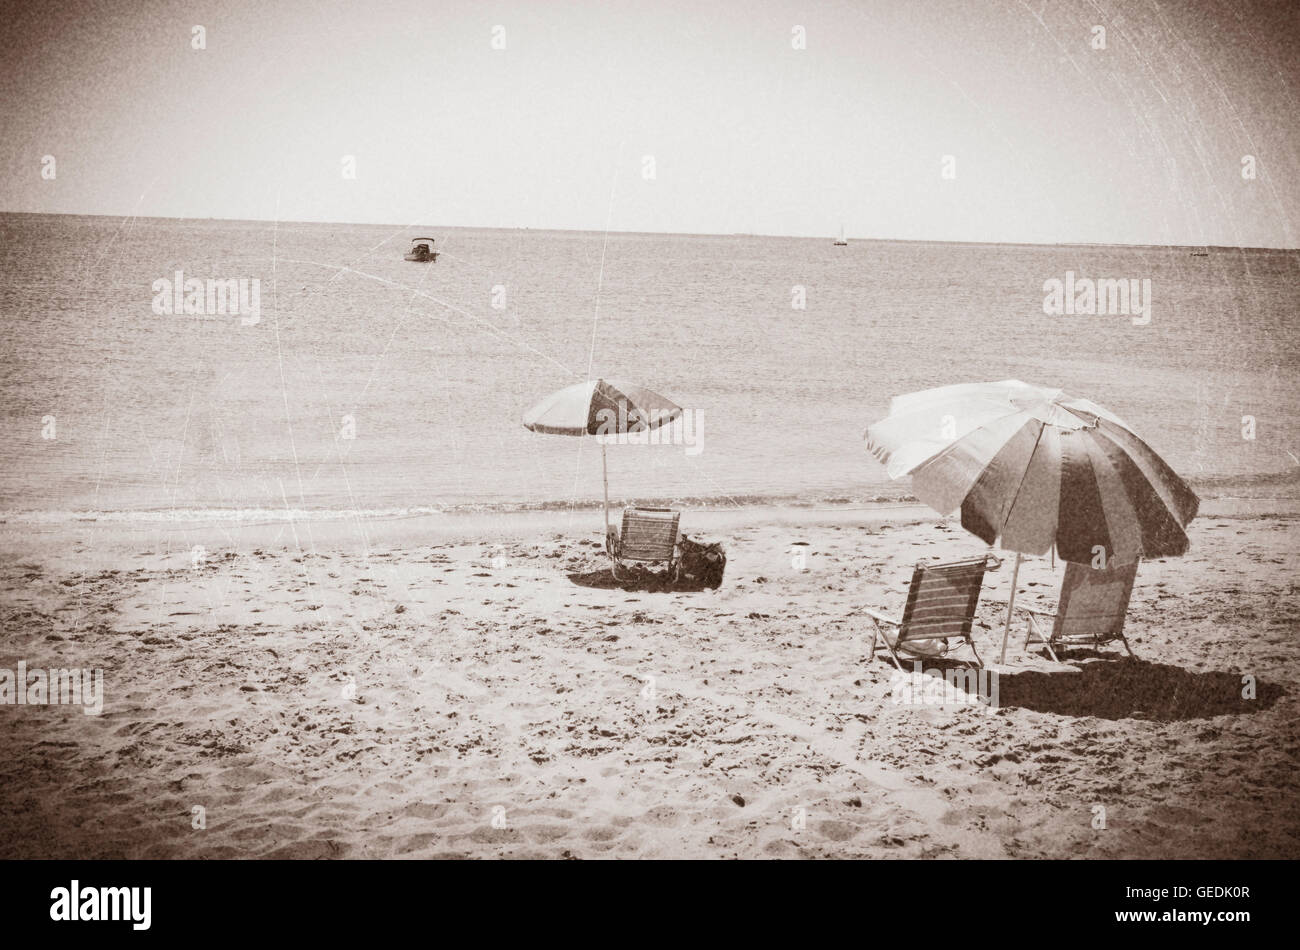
1032	630
978	662
893	653
878	634
1124	640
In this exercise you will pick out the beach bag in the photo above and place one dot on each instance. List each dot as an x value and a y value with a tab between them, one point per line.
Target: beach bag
702	562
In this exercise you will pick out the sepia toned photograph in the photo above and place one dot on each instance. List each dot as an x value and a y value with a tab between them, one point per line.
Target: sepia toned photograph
862	429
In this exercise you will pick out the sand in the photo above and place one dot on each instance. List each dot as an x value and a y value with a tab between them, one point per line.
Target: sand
477	687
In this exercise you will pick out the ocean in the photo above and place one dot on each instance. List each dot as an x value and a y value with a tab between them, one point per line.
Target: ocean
370	384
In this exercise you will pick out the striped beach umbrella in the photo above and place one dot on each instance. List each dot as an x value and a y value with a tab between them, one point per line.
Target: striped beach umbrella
601	407
1033	467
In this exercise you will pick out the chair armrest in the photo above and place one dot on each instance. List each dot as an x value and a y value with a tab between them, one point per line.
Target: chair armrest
881	617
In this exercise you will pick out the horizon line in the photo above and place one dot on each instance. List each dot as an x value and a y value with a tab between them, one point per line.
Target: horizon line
798	237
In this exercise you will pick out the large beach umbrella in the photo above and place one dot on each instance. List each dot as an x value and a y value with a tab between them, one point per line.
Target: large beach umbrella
602	407
1035	467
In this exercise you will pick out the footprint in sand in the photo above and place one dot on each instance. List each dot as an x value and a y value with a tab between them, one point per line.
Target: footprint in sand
414	843
242	777
427	811
543	834
836	830
781	848
314	850
495	836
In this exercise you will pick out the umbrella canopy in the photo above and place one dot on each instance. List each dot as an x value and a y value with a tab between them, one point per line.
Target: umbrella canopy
601	407
1036	467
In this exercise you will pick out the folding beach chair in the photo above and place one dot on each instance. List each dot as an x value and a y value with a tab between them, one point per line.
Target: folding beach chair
1094	603
940	606
649	534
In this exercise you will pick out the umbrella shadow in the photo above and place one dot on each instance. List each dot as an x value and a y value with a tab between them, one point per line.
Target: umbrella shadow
1125	688
638	580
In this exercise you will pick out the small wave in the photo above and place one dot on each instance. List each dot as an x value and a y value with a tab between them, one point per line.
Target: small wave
254	516
204	515
1285	483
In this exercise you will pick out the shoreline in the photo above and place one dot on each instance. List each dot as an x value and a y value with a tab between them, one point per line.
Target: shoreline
342	530
1256	494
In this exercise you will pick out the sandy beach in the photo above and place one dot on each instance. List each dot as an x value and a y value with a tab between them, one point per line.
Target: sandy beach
478	687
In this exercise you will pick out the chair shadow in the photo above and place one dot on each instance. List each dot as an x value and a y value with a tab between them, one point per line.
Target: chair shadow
645	581
1126	688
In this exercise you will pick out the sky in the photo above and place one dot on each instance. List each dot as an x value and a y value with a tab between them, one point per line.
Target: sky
970	120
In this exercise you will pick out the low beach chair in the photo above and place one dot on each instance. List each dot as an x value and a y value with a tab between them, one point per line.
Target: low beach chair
940	606
650	535
1094	604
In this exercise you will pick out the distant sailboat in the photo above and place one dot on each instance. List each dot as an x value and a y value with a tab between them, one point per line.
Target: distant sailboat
840	241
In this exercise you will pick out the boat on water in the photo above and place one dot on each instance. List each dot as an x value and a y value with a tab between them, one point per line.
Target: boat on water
841	241
421	250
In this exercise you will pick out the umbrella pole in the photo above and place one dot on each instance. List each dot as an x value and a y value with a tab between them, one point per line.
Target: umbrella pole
604	471
1011	603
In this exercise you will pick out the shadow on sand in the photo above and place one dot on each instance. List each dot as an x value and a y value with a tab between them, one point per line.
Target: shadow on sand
1124	688
635	580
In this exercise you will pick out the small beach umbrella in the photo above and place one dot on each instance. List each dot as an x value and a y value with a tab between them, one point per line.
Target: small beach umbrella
602	407
1035	467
